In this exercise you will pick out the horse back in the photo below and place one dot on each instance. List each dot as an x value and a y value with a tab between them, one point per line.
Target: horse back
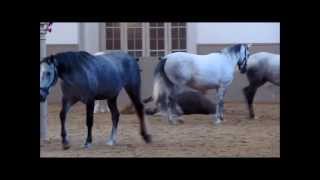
121	66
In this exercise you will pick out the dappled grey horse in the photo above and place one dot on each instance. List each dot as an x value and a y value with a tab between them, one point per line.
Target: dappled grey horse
262	67
200	72
87	78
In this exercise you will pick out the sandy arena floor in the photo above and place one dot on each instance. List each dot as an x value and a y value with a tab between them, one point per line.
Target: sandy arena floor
237	136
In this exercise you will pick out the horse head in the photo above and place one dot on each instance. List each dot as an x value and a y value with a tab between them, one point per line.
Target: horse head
48	76
244	54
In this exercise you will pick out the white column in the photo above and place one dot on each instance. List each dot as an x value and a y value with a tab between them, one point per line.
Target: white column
43	105
89	34
192	37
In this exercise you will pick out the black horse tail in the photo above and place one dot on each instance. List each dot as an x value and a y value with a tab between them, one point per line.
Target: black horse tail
162	84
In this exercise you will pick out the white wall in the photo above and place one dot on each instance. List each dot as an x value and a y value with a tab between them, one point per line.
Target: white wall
63	33
191	37
230	33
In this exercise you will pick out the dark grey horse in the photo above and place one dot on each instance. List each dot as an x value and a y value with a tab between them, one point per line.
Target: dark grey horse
87	78
188	102
262	67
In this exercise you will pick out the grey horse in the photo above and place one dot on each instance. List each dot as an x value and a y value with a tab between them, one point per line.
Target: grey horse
262	67
200	72
87	78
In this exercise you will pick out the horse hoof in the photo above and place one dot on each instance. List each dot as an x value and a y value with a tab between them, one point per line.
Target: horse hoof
111	142
217	122
181	121
87	145
66	146
147	138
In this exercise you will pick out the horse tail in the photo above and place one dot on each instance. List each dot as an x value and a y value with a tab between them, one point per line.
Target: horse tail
161	81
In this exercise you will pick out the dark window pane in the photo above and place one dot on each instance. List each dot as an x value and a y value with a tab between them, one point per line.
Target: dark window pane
116	24
130	33
138	34
183	44
109	24
174	24
153	44
153	34
160	24
182	33
117	44
108	33
153	24
153	53
116	33
131	53
160	44
161	53
175	44
134	24
138	44
130	44
109	44
138	53
174	33
161	33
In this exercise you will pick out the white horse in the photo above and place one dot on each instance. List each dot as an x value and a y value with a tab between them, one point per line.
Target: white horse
262	67
200	72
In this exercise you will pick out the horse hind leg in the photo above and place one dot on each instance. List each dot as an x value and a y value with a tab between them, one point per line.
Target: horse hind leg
174	111
134	95
89	122
112	104
249	93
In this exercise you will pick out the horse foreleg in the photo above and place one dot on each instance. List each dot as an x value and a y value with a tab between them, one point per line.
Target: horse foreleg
173	115
90	108
115	119
66	104
220	104
249	93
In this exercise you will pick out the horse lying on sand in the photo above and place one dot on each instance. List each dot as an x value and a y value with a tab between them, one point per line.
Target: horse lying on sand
188	102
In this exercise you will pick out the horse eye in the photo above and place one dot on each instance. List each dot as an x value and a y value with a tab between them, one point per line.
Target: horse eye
47	73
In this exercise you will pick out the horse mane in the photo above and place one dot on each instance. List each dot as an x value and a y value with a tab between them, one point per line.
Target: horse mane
232	49
71	59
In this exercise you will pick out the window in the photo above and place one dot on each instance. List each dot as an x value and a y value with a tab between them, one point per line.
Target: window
135	39
113	38
157	39
178	37
145	39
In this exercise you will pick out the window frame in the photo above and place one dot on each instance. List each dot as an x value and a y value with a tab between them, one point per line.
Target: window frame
146	51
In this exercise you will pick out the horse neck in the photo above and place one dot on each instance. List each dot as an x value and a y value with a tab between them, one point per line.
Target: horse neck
234	58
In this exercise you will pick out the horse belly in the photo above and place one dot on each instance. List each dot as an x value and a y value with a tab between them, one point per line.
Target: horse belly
108	88
204	79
